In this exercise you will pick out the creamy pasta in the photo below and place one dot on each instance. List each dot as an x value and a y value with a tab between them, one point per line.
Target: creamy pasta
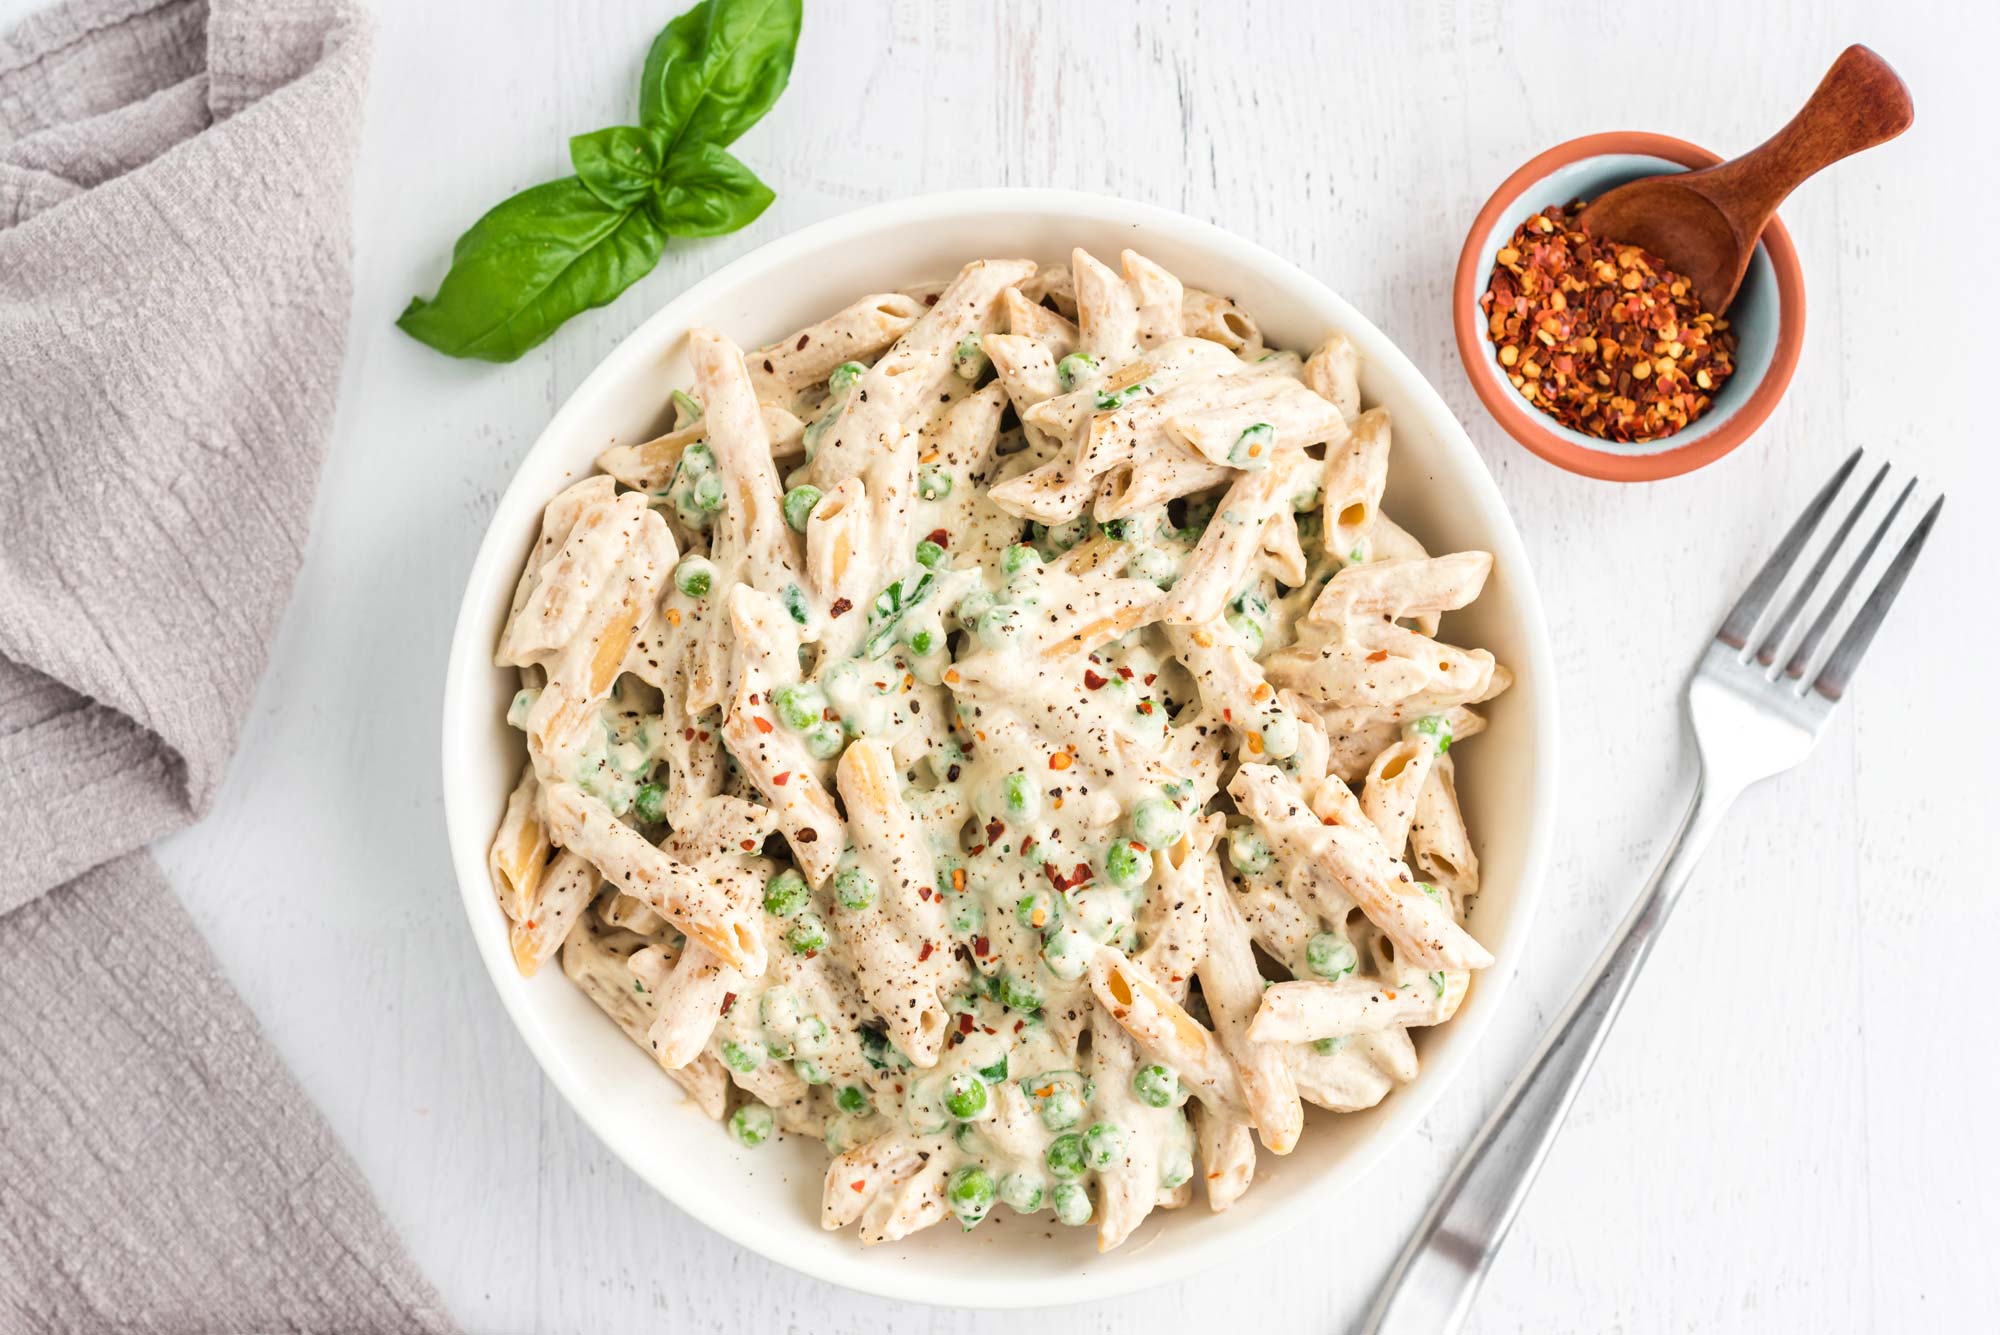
996	731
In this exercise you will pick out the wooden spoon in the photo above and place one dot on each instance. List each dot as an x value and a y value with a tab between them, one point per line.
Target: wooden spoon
1705	224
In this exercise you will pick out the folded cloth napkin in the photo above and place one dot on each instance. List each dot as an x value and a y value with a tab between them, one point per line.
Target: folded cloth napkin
174	196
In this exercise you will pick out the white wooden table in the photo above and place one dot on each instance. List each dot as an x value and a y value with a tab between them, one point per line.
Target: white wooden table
1791	1128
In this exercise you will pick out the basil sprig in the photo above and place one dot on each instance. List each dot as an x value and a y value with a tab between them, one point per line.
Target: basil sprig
563	247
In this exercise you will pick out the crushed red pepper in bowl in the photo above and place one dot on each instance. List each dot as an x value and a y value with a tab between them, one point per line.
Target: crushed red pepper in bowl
1602	337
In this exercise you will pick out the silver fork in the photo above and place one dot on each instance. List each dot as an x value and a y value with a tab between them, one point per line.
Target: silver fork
1752	719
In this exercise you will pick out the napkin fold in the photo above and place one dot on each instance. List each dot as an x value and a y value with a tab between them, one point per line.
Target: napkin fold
175	179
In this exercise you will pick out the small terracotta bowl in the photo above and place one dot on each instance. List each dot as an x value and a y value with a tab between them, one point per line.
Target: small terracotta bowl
1768	315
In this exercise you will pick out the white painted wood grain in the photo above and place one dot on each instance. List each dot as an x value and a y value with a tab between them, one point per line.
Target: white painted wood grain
1787	1132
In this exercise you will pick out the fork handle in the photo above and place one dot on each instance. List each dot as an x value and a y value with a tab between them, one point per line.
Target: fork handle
1430	1289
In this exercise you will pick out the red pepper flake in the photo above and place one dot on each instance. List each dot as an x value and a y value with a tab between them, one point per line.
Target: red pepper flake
964	1023
940	537
808	835
979	947
704	734
687	734
763	724
1027	845
1093	682
924	893
994	829
749	844
782	777
1145	706
925	953
800	346
1378	656
728	1002
1060	760
1601	336
1126	673
1019	1025
958	879
854	1186
841	607
1151	677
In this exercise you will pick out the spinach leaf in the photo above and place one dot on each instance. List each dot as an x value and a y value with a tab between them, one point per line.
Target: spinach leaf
714	71
709	193
621	165
532	262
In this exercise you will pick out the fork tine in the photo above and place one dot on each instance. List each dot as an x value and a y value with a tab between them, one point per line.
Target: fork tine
1817	632
1839	670
1783	625
1742	618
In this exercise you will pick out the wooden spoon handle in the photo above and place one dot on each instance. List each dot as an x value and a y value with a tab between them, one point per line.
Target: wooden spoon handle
1860	103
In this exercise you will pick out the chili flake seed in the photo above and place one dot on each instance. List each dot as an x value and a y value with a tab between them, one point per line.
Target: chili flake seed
1600	336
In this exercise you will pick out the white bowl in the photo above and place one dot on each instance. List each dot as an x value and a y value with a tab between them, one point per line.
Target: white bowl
767	1199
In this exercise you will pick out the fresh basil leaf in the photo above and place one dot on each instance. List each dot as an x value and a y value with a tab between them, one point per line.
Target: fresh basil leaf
707	193
620	165
713	72
532	262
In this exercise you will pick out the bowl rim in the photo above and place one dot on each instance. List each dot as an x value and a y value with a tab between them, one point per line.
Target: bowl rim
1527	425
495	569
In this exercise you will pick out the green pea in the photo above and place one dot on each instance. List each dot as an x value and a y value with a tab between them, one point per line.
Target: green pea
745	1057
1252	449
1020	796
1157	823
649	803
812	1037
999	626
1072	1204
825	741
1248	631
521	706
923	641
1065	1157
1248	851
968	915
695	576
1279	735
1127	864
1021	1193
810	1071
844	376
1066	954
1155	566
1019	557
1326	1047
752	1124
1110	399
806	934
970	1191
1074	368
1120	530
1330	956
1036	910
852	1099
799	504
968	358
934	484
1103	1145
706	493
1058	1096
964	1095
1019	994
794	599
698	458
1433	729
854	888
929	554
1155	1086
1359	556
1178	1167
972	608
799	706
785	894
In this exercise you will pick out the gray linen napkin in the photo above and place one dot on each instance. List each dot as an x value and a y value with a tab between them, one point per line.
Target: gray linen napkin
174	199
